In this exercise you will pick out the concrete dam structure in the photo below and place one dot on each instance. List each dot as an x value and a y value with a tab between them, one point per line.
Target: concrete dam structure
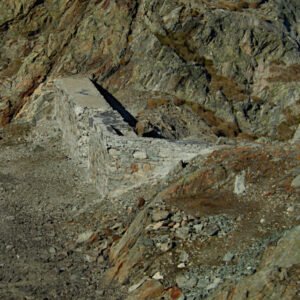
103	142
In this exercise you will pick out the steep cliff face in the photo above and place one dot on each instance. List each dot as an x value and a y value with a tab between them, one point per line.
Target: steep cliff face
234	64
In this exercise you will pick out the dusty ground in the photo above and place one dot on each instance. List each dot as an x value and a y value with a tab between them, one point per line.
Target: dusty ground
45	203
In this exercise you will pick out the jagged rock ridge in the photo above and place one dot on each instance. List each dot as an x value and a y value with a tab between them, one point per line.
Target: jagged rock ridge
234	63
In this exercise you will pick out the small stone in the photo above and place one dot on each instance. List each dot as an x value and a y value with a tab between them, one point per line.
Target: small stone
182	232
164	247
184	256
83	237
228	257
145	241
177	225
198	228
100	292
239	184
160	215
100	259
158	276
52	250
290	209
140	155
262	220
212	229
158	225
78	110
215	284
75	277
181	266
137	285
90	258
296	182
112	152
183	281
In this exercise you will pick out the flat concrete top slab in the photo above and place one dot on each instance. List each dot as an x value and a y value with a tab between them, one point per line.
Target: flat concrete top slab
82	92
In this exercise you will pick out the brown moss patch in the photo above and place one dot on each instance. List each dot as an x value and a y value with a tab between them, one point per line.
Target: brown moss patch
182	44
11	69
228	129
256	99
218	126
178	102
233	6
207	115
227	85
284	131
283	73
5	113
287	128
247	136
153	103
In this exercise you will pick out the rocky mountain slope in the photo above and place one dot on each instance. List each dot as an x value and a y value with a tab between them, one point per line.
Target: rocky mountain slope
222	226
235	64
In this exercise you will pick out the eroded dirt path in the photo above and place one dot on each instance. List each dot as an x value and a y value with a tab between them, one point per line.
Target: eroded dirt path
45	204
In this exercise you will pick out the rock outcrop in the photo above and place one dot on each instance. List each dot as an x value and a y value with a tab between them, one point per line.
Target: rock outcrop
234	63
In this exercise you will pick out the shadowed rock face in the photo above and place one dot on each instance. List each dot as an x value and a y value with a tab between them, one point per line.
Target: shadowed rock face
237	60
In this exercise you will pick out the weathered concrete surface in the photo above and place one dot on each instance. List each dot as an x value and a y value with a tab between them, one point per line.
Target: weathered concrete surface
97	136
83	93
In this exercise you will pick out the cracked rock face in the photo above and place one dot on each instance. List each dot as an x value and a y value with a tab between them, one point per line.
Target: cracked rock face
234	64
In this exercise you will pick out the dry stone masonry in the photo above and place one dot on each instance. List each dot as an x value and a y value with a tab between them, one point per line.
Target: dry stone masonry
100	140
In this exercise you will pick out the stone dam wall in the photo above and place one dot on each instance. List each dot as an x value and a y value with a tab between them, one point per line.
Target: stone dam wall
97	137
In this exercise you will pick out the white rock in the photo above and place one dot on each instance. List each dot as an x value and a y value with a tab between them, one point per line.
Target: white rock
228	257
239	184
83	237
296	137
177	225
137	285
158	225
184	256
214	284
160	215
3	105
140	155
157	276
296	182
164	247
181	266
90	258
52	250
78	110
198	227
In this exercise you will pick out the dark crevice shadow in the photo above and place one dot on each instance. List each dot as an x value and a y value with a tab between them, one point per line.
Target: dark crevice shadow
116	105
127	117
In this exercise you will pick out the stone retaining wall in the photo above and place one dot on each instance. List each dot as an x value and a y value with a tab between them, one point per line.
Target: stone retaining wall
98	137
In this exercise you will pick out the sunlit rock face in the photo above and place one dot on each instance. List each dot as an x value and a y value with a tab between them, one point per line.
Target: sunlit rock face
237	61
